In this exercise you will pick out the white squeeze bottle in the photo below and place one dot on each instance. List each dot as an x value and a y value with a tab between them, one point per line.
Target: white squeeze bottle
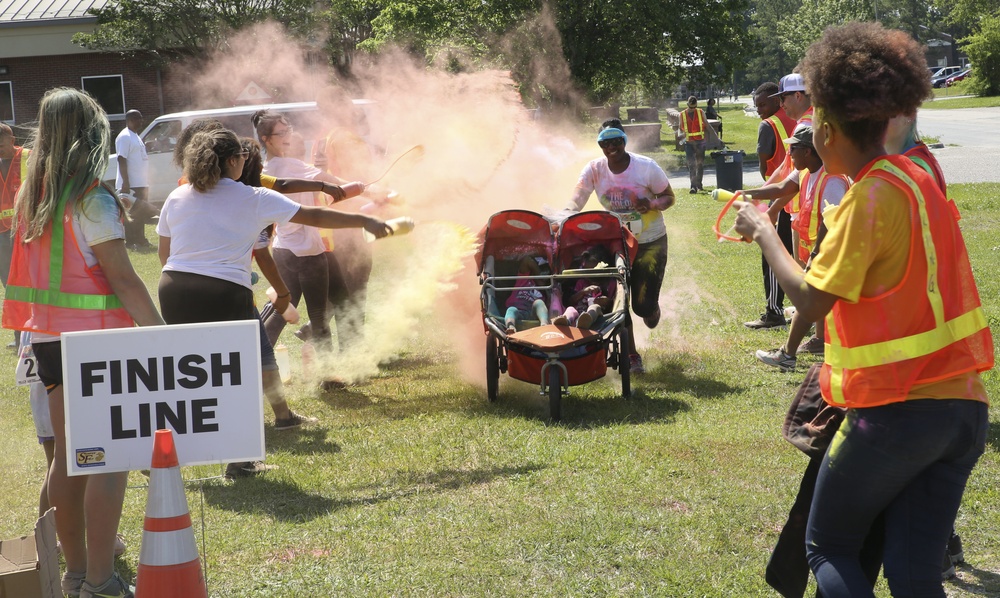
291	314
398	226
284	364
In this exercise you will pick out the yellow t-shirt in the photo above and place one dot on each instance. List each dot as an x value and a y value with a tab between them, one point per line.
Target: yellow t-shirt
864	254
268	181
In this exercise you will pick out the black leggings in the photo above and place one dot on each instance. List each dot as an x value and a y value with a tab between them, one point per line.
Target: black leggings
306	277
187	298
647	276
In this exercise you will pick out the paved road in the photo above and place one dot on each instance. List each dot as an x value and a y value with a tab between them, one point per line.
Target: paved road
971	138
971	152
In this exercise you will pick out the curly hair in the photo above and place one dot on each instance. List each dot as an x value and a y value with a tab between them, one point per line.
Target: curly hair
860	75
767	88
197	126
206	154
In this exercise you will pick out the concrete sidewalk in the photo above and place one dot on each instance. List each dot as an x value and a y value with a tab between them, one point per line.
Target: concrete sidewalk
681	181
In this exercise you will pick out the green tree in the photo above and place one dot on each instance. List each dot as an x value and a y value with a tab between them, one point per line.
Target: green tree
799	30
983	48
767	59
164	28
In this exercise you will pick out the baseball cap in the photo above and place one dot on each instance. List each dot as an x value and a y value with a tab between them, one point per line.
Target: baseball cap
611	133
790	83
803	135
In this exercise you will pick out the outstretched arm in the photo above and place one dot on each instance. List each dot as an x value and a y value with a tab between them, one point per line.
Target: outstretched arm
326	218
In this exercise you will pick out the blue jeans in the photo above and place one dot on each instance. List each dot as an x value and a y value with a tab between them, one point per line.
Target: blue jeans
910	460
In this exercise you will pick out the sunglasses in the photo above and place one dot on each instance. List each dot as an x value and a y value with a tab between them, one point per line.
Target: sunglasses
797	146
611	142
284	133
244	154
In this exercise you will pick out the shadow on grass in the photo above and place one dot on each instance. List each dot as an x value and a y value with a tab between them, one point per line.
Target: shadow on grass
288	502
982	582
599	403
305	440
993	435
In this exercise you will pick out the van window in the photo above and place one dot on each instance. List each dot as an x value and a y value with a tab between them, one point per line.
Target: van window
162	138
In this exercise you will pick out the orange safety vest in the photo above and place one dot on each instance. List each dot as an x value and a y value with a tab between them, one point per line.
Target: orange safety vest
693	124
811	209
922	156
782	125
9	185
792	207
52	290
930	327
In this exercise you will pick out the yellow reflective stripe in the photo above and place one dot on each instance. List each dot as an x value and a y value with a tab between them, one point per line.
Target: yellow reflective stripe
782	131
933	292
910	347
837	386
7	213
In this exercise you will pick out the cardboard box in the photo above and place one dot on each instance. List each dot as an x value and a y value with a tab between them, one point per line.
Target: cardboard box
29	565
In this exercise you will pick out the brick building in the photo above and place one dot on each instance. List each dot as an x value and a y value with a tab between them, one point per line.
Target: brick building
37	54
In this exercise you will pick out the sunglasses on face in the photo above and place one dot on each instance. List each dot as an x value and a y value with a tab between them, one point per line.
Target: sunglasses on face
611	142
244	154
284	133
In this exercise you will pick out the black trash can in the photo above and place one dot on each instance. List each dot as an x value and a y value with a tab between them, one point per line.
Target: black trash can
729	169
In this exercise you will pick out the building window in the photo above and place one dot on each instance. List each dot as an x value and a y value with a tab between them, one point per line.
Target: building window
6	102
109	93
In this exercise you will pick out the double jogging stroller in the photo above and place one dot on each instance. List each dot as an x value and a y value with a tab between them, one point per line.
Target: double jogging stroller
554	356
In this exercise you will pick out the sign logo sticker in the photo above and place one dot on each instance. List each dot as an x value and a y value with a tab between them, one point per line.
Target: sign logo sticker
90	457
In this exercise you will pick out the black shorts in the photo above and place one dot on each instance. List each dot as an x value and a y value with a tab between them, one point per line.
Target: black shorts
48	359
646	276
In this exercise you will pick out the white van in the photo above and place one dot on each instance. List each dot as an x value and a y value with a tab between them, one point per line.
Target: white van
160	137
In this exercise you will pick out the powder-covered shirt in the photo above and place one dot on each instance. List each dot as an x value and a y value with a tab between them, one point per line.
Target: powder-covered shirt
300	239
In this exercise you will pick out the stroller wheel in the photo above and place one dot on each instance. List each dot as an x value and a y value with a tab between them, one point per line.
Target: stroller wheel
492	369
555	394
624	368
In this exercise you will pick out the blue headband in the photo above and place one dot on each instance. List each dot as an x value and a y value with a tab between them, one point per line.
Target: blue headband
611	133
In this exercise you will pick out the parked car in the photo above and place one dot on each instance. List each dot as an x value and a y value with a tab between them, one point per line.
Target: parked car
938	79
957	77
160	137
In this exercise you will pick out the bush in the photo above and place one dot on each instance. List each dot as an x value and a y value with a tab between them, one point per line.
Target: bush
982	49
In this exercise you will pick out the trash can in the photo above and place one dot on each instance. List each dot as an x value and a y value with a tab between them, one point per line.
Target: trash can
729	169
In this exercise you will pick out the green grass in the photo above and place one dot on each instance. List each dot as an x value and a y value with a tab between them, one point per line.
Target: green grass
415	485
948	98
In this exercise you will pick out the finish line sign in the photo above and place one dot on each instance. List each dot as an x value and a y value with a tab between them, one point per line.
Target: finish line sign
202	381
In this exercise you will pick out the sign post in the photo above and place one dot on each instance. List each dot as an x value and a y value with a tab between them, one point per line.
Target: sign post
202	381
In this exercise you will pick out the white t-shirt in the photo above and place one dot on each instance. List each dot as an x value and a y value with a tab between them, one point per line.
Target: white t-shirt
213	233
129	146
300	239
96	220
618	193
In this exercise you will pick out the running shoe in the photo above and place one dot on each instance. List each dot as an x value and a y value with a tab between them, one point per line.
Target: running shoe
778	358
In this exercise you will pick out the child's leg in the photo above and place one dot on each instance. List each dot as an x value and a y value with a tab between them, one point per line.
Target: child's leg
510	319
540	310
796	332
568	318
590	316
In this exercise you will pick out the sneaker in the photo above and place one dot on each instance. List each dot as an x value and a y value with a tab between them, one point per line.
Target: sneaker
635	364
653	320
305	332
71	583
767	320
813	346
113	588
585	320
947	567
294	420
955	551
778	358
246	469
511	329
120	546
693	190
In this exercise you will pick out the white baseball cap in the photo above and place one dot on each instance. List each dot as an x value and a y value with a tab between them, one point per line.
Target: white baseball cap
790	83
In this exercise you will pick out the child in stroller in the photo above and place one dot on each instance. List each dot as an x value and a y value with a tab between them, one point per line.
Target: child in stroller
589	299
526	300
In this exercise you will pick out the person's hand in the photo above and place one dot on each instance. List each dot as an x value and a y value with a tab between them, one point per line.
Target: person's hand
750	220
281	302
335	192
592	289
642	205
377	228
773	212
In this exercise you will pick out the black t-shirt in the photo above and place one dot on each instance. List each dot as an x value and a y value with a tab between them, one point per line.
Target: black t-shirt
766	142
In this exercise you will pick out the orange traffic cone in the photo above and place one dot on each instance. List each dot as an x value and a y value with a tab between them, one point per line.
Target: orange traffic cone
169	566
